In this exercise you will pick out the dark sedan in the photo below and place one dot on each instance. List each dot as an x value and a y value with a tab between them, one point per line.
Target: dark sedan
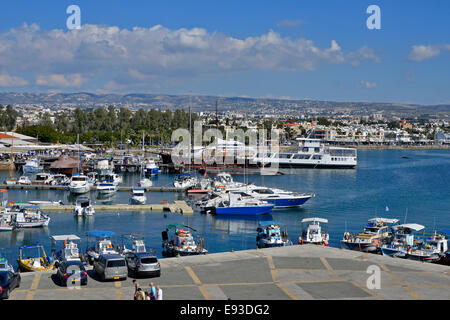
8	282
67	273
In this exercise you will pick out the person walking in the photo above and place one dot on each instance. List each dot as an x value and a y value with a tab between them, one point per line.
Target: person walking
159	293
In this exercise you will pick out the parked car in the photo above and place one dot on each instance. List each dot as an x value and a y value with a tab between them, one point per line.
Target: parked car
143	264
111	267
8	282
68	268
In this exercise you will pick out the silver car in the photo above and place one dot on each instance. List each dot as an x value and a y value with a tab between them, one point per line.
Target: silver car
143	264
111	267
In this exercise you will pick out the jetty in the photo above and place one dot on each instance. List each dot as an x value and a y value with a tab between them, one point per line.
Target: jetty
93	188
306	272
175	207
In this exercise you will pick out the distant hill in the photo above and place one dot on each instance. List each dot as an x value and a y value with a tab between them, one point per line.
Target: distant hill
208	103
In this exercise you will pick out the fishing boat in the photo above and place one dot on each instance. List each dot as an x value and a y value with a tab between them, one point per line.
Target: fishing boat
30	217
137	244
312	232
403	241
137	196
70	248
79	184
432	250
39	261
185	181
269	235
375	234
177	240
236	204
103	244
32	166
83	208
150	168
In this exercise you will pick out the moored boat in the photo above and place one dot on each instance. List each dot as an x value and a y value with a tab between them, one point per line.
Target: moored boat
103	244
83	208
312	233
39	261
79	184
269	235
403	241
177	240
137	196
30	217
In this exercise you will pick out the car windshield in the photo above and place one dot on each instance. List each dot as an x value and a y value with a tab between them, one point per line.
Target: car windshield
116	263
148	260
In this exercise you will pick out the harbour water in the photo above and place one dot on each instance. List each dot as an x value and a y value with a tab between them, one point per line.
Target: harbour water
413	184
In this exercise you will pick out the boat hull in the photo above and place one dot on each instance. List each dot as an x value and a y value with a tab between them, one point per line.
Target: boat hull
364	247
287	202
249	210
151	171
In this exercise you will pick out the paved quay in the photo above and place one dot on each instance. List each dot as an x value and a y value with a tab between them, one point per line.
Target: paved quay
290	273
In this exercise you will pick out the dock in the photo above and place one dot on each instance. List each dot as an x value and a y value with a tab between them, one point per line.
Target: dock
176	207
93	188
296	272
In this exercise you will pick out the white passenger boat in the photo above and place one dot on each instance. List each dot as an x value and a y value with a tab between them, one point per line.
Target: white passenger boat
70	250
83	208
137	196
279	198
311	153
79	184
269	235
312	232
107	188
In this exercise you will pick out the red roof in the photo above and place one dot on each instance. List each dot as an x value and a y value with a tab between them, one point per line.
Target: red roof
6	136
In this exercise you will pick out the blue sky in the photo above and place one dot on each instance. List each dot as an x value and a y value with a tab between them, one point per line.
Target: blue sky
292	49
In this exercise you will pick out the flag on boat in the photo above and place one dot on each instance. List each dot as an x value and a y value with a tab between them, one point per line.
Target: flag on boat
387	208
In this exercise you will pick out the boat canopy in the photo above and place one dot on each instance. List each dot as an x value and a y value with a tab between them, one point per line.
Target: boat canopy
412	226
315	220
268	223
69	237
383	220
100	233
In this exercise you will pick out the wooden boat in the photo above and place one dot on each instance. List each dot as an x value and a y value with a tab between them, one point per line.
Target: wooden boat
36	263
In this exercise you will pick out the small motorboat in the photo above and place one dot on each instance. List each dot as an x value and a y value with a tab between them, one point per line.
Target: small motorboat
43	178
375	234
24	180
39	261
150	168
79	184
70	248
145	183
10	181
103	245
107	188
269	235
432	250
137	244
312	233
83	208
137	196
177	240
185	181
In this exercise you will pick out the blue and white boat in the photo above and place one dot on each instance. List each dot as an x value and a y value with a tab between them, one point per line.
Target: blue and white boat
237	205
404	240
32	166
432	250
269	235
107	188
375	233
279	198
137	196
150	168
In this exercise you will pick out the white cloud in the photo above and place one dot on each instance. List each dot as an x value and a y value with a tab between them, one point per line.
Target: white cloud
367	84
12	81
60	80
65	59
421	52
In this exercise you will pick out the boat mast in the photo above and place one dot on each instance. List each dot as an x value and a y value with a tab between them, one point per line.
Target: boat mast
190	134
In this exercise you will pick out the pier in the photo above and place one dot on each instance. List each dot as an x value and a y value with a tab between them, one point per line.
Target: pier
289	273
176	207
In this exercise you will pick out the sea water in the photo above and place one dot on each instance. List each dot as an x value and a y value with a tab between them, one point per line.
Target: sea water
410	185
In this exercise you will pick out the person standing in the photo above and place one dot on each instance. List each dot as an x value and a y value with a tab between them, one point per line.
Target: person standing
159	293
152	291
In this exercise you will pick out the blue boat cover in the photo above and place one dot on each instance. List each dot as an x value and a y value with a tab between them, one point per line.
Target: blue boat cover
100	233
266	223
